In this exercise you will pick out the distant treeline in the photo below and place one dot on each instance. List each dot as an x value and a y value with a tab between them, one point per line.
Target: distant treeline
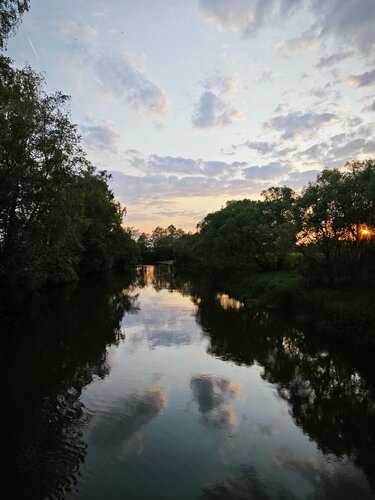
58	217
326	233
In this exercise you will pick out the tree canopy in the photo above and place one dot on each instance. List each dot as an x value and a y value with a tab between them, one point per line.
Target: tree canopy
327	232
10	15
58	217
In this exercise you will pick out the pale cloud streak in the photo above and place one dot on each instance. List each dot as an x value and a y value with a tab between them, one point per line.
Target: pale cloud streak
298	123
125	78
295	46
244	15
329	61
100	138
362	80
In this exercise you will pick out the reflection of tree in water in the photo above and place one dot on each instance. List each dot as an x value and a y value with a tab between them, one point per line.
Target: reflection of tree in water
165	277
330	389
51	354
325	485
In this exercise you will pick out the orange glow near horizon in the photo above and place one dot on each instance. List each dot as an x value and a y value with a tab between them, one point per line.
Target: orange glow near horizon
366	232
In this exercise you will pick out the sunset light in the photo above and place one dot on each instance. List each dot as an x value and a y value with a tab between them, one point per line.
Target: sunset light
187	248
365	232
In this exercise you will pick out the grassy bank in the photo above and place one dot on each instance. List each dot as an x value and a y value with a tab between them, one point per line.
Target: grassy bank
347	314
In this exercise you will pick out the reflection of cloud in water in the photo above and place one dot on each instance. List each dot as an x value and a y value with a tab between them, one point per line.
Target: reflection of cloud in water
245	485
326	481
338	479
163	327
266	430
159	338
122	424
167	339
214	396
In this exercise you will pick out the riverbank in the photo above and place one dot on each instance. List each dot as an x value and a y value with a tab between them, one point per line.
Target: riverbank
346	314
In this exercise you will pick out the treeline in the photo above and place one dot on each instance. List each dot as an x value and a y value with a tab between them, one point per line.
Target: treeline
58	218
326	233
158	246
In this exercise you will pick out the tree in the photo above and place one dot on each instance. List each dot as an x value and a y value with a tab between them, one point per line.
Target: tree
40	162
10	16
335	217
58	217
249	232
105	242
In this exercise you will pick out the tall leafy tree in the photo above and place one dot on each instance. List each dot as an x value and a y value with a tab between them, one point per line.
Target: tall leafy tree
335	216
40	161
10	15
58	217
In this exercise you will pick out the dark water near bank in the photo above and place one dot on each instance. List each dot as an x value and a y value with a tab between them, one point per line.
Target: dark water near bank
160	388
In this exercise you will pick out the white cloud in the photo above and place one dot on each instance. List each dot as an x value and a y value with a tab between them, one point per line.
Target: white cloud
75	61
273	171
75	29
297	123
125	77
167	178
295	46
211	112
363	80
340	148
179	166
230	15
351	21
328	61
99	137
214	106
268	75
262	147
244	15
298	180
369	107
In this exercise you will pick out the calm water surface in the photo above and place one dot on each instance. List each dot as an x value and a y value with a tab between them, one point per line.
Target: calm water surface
161	388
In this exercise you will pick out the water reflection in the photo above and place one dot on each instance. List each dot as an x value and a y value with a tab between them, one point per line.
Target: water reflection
121	426
54	348
214	396
244	485
334	484
118	435
329	388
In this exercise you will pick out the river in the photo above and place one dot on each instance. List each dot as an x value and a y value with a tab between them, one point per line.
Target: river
158	387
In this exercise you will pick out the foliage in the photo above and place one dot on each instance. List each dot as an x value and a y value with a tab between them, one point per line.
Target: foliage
247	232
327	232
58	217
336	217
159	245
10	15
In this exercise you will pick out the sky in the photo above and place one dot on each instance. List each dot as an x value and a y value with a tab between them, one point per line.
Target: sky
190	103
